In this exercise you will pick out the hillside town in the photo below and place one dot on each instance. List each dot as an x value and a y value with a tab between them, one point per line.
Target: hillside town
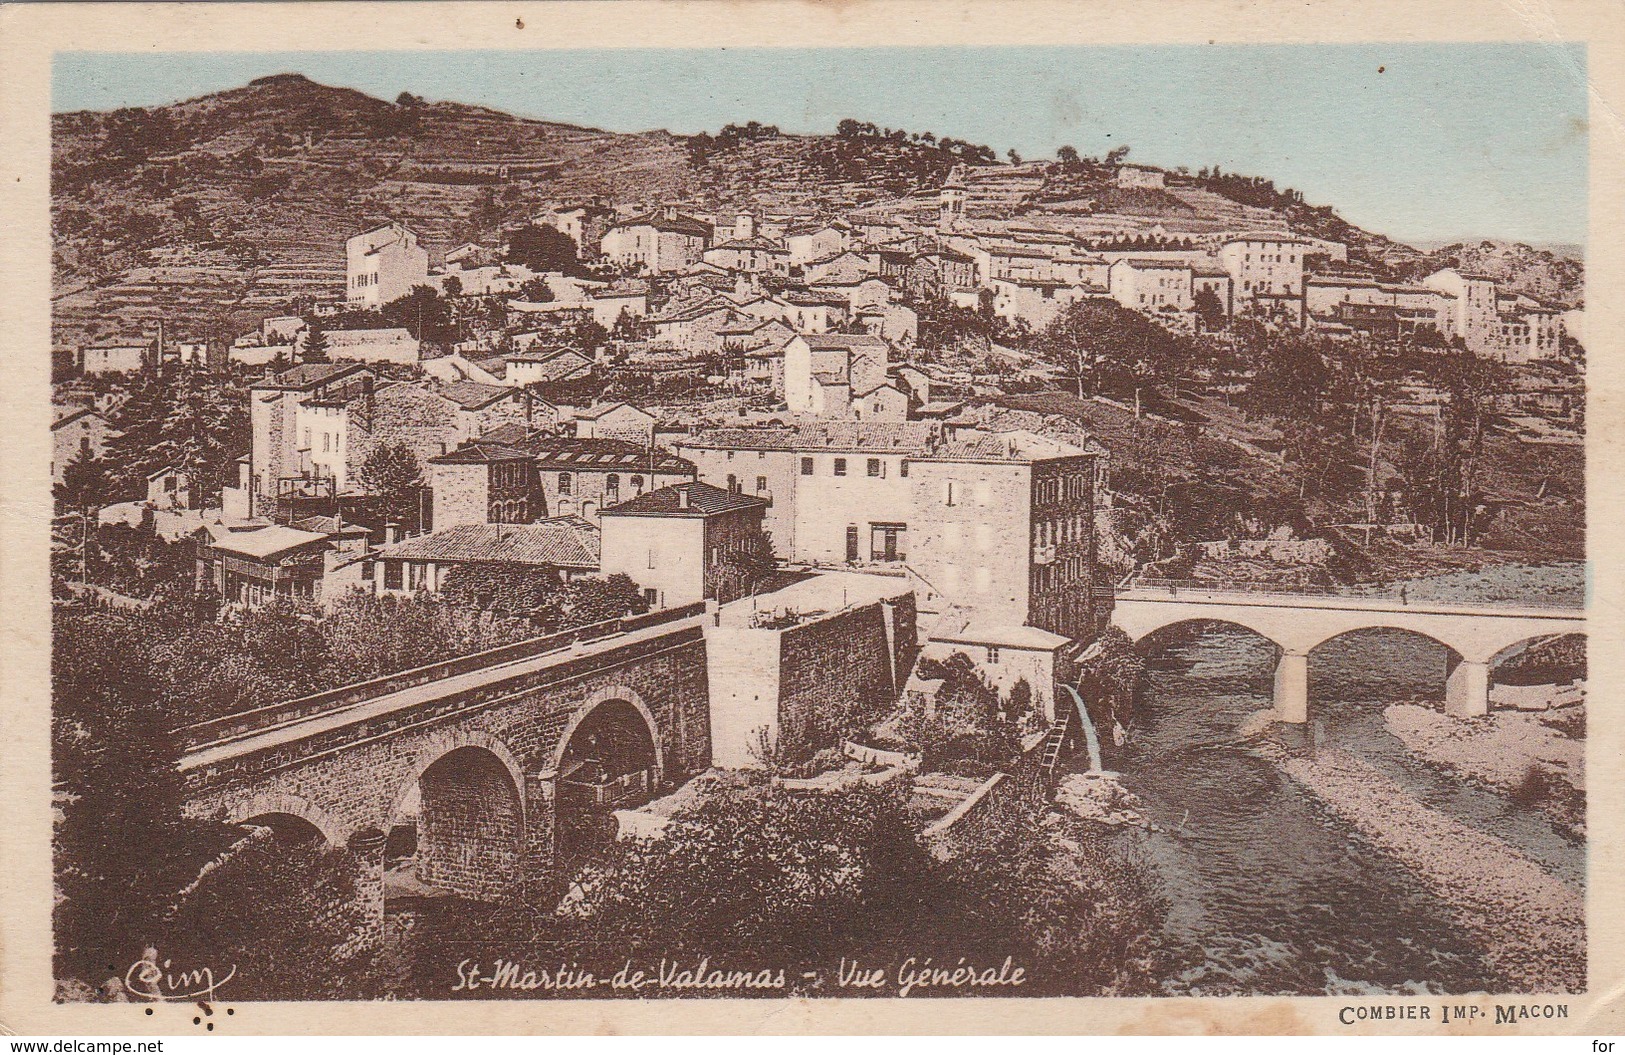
880	494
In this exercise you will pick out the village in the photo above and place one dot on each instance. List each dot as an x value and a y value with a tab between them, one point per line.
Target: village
904	473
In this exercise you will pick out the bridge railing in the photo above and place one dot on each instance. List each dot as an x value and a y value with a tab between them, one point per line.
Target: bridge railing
1173	587
270	715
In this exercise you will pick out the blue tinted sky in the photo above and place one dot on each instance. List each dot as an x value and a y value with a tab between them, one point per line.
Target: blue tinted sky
1418	141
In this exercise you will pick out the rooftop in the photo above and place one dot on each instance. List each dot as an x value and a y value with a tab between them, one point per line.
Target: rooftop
307	376
692	499
471	395
481	451
905	437
564	542
267	542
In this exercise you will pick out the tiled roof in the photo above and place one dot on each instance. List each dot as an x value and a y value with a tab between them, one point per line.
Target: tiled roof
594	413
566	542
1144	264
1014	446
702	500
681	225
823	341
481	451
471	395
309	375
908	437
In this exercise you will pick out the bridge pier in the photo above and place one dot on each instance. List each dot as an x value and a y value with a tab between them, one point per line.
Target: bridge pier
366	849
1292	687
1467	690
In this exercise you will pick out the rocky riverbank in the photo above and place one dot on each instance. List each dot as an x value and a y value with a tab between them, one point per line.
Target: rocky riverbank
1531	924
1536	758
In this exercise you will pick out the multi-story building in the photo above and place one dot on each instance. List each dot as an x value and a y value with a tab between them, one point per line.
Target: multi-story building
682	543
383	264
1266	274
659	243
1003	524
999	522
1151	285
278	469
584	224
824	372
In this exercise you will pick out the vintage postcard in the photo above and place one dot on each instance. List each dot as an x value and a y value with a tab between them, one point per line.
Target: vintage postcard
819	518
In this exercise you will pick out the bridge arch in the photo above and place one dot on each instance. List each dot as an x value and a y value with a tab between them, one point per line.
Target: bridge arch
288	816
609	757
1148	639
610	695
471	815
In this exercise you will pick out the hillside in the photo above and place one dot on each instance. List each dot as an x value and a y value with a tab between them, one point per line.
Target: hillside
1553	277
218	210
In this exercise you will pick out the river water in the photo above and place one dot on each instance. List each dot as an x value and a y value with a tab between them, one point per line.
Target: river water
1270	892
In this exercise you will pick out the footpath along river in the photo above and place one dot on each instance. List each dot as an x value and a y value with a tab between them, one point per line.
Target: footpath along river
1273	892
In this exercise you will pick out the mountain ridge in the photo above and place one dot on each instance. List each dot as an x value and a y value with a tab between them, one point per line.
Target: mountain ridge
230	205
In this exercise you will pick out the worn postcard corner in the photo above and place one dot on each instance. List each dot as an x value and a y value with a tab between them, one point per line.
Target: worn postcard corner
552	526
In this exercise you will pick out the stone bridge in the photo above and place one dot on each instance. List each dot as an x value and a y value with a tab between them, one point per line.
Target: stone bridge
492	755
1297	623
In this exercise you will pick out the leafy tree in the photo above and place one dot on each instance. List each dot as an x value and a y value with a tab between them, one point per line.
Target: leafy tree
424	313
286	917
452	286
544	249
537	291
1109	673
1067	155
1209	309
806	874
391	471
513	589
122	848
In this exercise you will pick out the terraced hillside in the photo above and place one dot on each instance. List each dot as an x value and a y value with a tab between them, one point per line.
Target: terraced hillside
220	210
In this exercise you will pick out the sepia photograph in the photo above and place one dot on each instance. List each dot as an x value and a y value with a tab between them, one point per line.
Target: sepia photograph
841	522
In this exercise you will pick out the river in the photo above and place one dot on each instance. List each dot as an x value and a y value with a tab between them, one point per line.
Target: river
1271	893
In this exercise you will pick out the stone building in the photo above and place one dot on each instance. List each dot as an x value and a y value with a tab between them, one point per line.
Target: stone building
383	264
660	243
683	542
795	668
1266	275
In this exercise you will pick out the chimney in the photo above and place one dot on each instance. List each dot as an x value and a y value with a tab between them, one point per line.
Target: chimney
682	498
669	211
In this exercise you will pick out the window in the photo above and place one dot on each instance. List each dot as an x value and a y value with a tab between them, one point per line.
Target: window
951	494
733	484
637	484
366	571
416	573
612	486
651	556
392	575
992	653
886	542
875	468
761	483
564	483
806	467
902	469
170	483
327	441
852	543
651	598
840	466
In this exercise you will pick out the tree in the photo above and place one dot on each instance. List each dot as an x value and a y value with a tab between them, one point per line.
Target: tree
122	849
451	286
543	249
1067	156
392	472
1013	156
424	313
286	915
537	291
512	589
1209	309
315	350
742	570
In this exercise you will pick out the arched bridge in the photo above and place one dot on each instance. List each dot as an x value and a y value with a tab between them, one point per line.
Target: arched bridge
1297	622
492	754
